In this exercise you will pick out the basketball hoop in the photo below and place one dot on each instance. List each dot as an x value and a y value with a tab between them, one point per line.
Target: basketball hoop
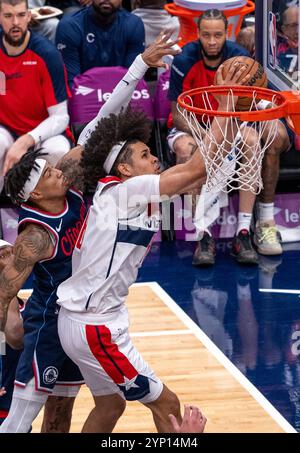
243	136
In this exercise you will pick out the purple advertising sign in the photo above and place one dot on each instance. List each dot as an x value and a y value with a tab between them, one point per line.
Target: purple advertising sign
162	105
92	89
287	217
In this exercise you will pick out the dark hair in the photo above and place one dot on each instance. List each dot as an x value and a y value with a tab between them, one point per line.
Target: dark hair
213	14
13	2
130	126
17	176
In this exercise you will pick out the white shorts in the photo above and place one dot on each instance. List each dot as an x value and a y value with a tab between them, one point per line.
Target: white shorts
29	392
173	135
106	357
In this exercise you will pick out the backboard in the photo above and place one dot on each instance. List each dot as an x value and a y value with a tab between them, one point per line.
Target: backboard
277	31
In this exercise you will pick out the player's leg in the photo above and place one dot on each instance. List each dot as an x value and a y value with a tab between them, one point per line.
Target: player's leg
114	371
181	144
14	326
59	405
26	404
242	247
266	237
167	403
57	414
107	411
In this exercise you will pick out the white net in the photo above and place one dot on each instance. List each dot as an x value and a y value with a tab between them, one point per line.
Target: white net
238	158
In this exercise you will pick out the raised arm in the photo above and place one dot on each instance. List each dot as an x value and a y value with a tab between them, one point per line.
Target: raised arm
32	245
121	96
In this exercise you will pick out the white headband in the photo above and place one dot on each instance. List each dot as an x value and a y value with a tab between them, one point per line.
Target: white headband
112	157
4	243
32	179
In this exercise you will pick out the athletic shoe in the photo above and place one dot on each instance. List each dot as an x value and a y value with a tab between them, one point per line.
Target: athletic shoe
267	239
242	248
205	251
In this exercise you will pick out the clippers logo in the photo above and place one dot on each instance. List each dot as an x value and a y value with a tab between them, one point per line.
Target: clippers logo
272	40
50	375
90	37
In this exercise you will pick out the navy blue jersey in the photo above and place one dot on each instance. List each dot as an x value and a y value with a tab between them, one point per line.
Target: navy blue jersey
43	357
35	81
64	228
85	43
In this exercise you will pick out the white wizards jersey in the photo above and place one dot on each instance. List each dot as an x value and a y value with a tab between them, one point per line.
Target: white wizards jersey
111	246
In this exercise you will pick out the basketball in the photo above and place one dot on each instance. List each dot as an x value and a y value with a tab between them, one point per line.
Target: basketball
257	77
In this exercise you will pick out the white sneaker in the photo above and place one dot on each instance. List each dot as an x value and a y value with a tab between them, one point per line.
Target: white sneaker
267	239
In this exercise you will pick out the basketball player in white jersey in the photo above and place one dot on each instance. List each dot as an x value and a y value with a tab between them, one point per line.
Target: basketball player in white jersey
93	321
37	183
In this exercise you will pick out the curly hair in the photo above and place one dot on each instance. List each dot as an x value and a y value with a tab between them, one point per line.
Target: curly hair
129	126
17	176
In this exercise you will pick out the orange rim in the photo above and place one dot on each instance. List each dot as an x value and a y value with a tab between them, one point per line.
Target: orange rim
288	103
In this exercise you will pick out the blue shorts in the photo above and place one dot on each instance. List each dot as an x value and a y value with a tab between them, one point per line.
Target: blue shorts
43	356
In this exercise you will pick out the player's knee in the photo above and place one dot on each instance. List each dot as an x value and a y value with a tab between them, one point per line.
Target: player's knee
116	410
281	141
167	403
113	407
14	333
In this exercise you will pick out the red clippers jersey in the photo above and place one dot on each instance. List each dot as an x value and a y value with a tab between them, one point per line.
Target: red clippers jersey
35	81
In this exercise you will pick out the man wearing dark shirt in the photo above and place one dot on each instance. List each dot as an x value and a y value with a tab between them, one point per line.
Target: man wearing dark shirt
103	34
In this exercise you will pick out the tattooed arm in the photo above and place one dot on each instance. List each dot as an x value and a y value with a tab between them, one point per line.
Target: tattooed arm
69	165
32	245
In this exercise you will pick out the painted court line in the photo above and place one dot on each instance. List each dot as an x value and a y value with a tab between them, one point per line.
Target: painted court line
159	333
218	354
280	291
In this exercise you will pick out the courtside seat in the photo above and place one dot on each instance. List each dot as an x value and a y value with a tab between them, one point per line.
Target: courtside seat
92	89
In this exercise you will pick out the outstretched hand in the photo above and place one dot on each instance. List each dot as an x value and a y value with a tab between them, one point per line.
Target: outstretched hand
234	76
162	46
192	421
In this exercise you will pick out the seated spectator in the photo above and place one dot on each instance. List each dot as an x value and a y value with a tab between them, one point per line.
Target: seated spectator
246	39
155	18
46	27
69	6
103	34
196	67
34	109
287	50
